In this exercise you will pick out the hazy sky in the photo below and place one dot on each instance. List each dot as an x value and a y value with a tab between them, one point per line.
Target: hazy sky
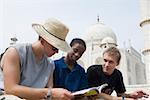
123	16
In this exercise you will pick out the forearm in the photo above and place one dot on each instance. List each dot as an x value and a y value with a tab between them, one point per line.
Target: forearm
109	97
124	95
27	92
105	96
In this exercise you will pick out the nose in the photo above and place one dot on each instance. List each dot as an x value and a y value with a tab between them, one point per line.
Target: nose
107	63
56	51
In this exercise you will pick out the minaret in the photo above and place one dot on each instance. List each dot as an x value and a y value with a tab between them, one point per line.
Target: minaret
98	18
13	40
145	27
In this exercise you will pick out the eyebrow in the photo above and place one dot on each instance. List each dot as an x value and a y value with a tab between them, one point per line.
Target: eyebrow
108	60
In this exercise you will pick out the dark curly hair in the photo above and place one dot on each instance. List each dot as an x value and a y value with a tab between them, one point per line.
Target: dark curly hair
78	40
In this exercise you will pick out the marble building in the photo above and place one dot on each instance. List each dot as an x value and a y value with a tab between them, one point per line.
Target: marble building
98	37
145	28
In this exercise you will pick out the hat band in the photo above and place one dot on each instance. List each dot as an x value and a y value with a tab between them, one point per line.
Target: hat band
53	34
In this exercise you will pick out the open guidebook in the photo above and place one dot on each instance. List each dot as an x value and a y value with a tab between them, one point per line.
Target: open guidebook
90	91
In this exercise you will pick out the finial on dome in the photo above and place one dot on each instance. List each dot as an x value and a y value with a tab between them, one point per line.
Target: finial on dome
129	42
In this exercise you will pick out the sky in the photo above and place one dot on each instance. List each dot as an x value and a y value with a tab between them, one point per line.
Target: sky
122	16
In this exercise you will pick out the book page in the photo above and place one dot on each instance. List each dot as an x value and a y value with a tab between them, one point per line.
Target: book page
89	91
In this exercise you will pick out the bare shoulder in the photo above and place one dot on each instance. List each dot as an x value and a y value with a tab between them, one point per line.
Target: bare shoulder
10	57
11	52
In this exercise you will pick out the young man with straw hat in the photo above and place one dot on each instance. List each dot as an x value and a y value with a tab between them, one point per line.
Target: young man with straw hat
26	68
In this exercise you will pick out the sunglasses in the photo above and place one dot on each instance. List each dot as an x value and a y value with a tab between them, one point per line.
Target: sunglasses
54	49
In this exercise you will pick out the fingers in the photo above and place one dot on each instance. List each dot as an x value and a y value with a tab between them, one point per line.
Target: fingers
68	95
61	94
143	94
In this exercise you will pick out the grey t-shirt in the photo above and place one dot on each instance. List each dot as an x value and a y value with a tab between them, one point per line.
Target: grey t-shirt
32	73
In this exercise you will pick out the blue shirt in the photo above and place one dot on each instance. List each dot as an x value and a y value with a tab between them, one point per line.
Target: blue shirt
72	80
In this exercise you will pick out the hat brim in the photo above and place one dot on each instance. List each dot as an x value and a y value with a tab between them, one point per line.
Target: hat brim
53	40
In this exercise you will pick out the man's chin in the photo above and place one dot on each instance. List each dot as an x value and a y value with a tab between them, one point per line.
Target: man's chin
50	55
74	59
106	72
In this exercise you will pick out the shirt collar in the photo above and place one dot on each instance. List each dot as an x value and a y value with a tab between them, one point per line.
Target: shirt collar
75	67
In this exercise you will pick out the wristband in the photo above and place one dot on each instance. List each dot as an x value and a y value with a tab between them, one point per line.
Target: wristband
122	97
49	94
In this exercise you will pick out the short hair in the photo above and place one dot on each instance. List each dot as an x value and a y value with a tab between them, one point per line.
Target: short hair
113	51
78	40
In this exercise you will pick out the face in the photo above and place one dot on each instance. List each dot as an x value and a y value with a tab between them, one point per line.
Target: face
49	49
110	63
76	52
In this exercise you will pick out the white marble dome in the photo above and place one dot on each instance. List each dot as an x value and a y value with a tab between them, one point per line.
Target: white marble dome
99	31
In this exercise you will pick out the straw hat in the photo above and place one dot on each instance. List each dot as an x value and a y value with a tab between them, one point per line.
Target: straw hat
54	32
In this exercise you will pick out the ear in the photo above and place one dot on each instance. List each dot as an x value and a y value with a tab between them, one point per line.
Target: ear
42	41
117	64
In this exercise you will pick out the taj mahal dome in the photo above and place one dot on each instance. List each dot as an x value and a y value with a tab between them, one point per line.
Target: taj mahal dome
98	37
136	72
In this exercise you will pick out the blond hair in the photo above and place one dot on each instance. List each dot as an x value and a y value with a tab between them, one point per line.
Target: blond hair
113	51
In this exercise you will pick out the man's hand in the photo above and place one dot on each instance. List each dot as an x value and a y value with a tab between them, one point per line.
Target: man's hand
61	94
139	94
